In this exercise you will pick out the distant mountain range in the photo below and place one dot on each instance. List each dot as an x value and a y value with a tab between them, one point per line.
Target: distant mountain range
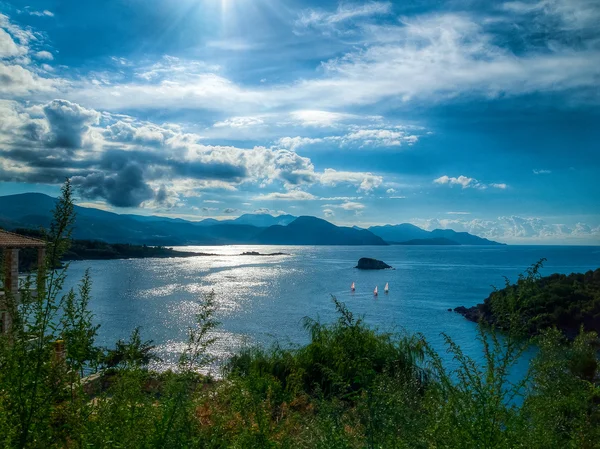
32	210
405	232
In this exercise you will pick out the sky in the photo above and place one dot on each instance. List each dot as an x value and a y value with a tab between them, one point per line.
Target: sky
478	116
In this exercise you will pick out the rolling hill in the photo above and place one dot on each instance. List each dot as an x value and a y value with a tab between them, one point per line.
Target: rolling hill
314	231
406	232
33	210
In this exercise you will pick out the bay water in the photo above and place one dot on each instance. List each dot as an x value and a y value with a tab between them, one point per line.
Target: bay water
262	300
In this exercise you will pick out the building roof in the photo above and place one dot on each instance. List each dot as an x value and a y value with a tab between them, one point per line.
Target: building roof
12	240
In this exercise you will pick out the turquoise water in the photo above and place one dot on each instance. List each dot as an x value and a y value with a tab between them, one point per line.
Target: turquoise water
262	299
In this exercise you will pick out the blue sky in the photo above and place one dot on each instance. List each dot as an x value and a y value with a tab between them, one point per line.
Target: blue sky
475	116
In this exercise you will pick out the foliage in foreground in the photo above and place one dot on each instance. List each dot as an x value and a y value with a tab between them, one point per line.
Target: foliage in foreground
351	386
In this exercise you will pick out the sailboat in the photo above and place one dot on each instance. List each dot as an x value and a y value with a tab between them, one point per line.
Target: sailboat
375	291
352	288
386	289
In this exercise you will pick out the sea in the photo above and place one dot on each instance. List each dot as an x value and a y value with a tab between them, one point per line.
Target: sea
262	300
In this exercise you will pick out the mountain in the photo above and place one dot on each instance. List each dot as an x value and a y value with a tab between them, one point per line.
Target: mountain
258	220
406	232
315	231
464	238
432	241
32	210
399	233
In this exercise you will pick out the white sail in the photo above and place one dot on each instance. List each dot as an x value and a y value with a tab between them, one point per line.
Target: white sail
387	287
352	286
375	291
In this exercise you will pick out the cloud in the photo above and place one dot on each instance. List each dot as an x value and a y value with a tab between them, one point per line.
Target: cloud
229	210
317	118
143	133
69	123
356	207
240	122
341	198
108	152
328	213
44	13
18	81
352	206
294	195
567	15
212	201
126	188
344	13
365	181
265	211
541	172
8	47
517	229
467	182
45	55
458	213
436	57
381	137
293	143
464	181
17	77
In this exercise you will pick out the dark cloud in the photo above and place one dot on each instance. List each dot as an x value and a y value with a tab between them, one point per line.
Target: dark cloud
162	195
298	177
68	123
126	188
41	158
47	176
209	170
229	210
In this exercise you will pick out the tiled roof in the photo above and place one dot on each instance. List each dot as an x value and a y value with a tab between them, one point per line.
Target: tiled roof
11	240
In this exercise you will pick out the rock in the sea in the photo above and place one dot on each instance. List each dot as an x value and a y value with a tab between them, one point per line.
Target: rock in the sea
471	313
366	263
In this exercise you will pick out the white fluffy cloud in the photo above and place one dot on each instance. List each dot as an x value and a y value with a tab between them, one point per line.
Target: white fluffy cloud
381	137
293	195
18	78
516	228
365	181
467	182
44	55
293	143
8	47
351	206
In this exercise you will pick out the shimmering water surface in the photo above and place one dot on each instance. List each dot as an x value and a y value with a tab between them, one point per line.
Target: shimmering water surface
262	299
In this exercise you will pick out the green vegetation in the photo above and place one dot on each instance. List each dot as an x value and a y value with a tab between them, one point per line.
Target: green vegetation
351	386
566	302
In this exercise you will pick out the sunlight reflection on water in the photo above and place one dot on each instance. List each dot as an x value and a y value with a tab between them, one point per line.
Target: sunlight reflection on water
264	299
